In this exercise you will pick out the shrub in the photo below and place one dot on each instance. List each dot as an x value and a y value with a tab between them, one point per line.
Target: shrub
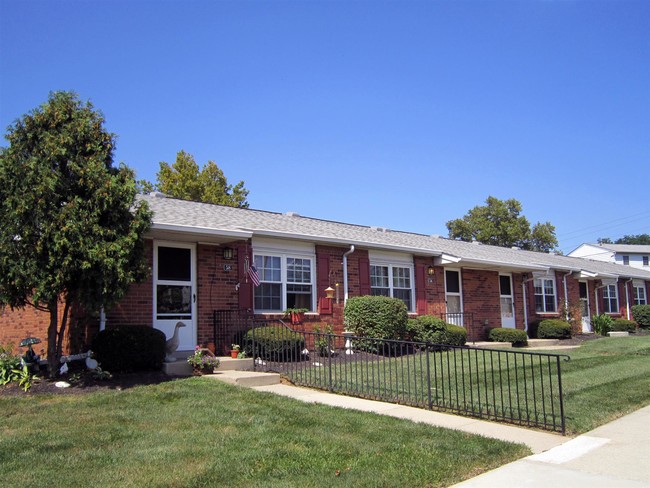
554	329
622	325
515	336
641	314
275	343
601	323
456	335
427	328
376	317
130	348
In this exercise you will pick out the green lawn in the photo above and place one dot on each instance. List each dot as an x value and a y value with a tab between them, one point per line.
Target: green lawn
200	432
605	379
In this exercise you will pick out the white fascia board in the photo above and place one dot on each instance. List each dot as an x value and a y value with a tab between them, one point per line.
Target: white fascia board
505	264
191	229
346	242
584	274
446	259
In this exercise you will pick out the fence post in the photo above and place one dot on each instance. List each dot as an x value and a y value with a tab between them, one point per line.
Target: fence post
329	362
426	351
559	383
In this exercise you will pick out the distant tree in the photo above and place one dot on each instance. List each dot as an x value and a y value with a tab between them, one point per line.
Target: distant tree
71	232
499	223
642	239
184	180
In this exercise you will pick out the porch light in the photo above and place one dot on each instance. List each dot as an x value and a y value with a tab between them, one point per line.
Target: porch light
329	292
431	271
227	252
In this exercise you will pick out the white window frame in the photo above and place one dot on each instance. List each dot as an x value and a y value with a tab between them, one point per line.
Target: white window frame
607	299
638	299
544	295
391	280
284	256
645	260
626	260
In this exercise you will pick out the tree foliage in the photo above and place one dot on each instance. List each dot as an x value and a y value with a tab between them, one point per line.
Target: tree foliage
183	179
642	239
70	230
499	223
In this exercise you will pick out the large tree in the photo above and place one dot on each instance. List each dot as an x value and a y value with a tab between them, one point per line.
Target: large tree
71	232
643	239
499	223
183	179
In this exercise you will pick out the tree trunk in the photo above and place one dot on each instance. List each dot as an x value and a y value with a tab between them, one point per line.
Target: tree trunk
52	360
61	334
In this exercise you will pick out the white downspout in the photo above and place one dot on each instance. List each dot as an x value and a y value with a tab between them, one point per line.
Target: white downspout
627	298
345	273
566	297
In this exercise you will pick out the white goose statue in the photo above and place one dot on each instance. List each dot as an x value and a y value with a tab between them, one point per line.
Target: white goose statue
172	344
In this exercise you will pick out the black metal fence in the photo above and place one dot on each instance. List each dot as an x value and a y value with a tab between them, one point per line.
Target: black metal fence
523	388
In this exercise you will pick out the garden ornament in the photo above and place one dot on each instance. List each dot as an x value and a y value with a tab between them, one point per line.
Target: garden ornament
30	356
172	344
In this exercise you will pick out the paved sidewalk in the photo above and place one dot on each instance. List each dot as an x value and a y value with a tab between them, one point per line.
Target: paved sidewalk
612	456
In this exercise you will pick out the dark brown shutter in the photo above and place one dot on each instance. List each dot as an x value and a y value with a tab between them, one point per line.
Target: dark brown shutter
364	276
322	282
421	289
245	285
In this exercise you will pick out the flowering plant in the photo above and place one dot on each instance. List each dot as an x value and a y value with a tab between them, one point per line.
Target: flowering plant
203	358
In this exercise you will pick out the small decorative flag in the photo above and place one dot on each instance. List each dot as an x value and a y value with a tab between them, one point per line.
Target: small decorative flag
254	276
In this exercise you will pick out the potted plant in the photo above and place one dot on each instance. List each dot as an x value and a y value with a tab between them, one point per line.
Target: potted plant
203	361
297	315
234	350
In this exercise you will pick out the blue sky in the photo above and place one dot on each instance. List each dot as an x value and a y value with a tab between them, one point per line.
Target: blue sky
396	114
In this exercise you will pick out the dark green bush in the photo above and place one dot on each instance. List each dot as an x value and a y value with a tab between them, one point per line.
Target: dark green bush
274	343
129	348
427	328
623	325
641	314
554	329
515	336
377	317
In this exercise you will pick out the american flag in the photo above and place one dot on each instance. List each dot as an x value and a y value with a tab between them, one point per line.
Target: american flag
254	276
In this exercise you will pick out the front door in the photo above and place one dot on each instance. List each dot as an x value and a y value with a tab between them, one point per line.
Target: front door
175	291
453	298
507	302
584	306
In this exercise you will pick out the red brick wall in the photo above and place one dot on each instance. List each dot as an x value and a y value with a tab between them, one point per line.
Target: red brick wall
481	298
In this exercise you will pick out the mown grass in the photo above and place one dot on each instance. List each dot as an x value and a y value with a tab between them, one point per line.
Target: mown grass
605	379
200	432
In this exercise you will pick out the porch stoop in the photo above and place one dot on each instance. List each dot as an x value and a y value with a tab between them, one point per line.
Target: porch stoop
182	368
246	378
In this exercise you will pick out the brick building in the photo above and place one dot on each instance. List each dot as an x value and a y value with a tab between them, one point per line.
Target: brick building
200	255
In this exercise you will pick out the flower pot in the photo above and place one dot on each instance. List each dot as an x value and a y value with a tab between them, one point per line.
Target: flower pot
202	371
297	318
234	353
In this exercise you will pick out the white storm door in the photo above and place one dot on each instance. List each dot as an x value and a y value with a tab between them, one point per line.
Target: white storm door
507	301
174	294
584	306
453	297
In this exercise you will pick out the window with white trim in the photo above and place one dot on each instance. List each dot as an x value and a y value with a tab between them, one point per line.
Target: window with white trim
545	297
390	280
626	260
639	295
286	281
645	260
610	298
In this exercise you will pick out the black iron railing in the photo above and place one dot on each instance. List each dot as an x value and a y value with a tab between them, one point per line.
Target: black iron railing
522	388
230	327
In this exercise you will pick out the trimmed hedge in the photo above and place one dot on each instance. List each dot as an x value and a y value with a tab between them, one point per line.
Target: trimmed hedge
641	314
376	317
130	348
623	325
554	329
274	343
515	336
427	328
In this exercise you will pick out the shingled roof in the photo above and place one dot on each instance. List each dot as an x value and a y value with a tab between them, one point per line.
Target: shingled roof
204	219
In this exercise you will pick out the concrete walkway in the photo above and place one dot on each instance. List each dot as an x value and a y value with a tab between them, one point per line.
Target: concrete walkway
616	454
613	455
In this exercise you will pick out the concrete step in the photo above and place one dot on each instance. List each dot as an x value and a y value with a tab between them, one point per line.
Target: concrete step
246	378
226	363
490	345
543	342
